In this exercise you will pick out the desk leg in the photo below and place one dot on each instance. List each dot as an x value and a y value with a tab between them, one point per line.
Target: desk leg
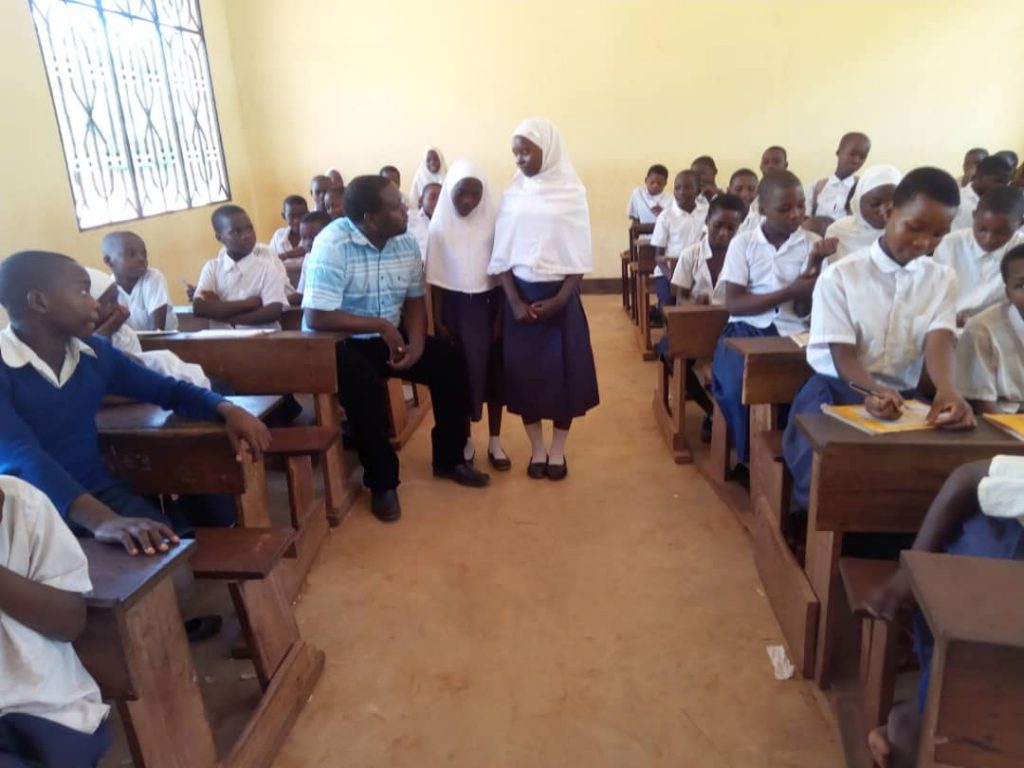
721	447
253	505
166	725
822	566
767	479
341	493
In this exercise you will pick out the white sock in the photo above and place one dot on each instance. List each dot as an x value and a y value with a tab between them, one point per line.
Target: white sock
495	449
469	452
535	432
558	438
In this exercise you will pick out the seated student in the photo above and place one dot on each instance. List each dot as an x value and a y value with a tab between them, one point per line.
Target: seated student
648	200
880	315
994	171
51	713
769	274
867	218
419	222
244	287
828	197
140	288
318	187
774	158
677	227
706	170
1011	159
990	354
285	241
743	184
975	254
334	202
431	171
310	226
54	374
971	159
979	512
392	174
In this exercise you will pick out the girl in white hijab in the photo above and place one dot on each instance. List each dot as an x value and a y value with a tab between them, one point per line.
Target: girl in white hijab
542	249
867	220
432	170
467	302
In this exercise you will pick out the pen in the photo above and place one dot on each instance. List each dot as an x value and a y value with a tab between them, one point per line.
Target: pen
866	391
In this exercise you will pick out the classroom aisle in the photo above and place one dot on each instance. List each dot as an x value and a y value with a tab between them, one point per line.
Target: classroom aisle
612	620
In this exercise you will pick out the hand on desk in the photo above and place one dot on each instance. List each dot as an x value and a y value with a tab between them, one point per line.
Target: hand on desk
888	407
244	427
950	411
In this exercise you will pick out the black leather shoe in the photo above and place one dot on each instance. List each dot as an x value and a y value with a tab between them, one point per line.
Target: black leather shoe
385	506
464	474
503	464
558	471
537	470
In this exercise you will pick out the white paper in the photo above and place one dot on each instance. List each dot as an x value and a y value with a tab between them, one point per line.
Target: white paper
781	664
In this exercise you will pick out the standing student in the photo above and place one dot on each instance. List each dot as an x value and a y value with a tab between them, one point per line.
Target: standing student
828	196
419	222
994	171
318	187
769	274
392	174
542	249
743	184
140	288
971	159
467	301
285	241
51	712
882	314
648	200
334	202
706	170
774	158
867	218
337	180
677	227
976	254
431	171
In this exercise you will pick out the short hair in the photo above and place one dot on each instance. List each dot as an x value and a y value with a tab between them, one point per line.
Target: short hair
389	169
976	151
339	188
705	160
1009	156
1014	254
320	177
112	237
852	136
294	200
933	183
993	165
362	197
687	172
658	169
317	217
742	172
220	216
777	148
26	271
775	181
727	202
1003	201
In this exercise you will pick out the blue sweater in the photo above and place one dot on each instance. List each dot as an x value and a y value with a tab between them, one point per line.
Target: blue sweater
48	436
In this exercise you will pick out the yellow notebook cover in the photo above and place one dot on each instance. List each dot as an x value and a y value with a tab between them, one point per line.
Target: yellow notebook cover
913	419
1013	423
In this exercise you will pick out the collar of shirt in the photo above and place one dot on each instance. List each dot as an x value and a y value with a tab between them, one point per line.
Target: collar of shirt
848	182
17	354
794	240
887	264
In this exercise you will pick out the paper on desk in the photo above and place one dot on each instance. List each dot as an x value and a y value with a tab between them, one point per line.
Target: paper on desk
781	664
231	333
914	418
801	339
154	333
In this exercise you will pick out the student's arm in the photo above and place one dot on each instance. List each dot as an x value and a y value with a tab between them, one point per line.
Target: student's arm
158	318
437	310
521	311
740	302
209	306
850	369
53	613
547	308
268	313
976	364
133	533
949	410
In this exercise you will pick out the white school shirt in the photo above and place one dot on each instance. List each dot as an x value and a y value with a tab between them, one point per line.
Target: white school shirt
754	218
831	201
990	358
1001	493
419	227
753	263
39	676
261	273
692	273
17	354
638	208
969	200
977	271
279	242
675	229
885	310
149	294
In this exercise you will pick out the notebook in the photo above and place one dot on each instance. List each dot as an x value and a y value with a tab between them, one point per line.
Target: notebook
1012	424
801	339
915	414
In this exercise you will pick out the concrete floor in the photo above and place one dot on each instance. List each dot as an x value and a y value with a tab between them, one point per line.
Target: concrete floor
612	620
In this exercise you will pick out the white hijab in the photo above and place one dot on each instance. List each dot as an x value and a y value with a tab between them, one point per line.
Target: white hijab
853	231
459	247
424	175
543	221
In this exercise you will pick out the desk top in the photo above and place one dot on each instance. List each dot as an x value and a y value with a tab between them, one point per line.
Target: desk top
136	417
160	340
972	599
121	579
824	431
766	345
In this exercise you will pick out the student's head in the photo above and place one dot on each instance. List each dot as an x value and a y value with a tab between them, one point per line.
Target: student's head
433	161
1010	157
725	214
999	215
994	171
466	195
125	254
429	197
781	199
971	159
706	170
853	150
337	180
774	159
686	189
529	157
743	184
1013	275
334	202
233	229
310	227
873	194
375	206
292	211
318	186
392	174
923	206
656	179
48	290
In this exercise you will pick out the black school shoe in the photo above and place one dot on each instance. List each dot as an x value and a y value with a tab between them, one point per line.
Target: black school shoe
503	464
464	474
385	505
537	470
558	471
202	628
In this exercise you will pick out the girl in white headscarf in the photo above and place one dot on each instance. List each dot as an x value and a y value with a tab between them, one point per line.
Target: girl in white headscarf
432	170
467	302
542	249
867	220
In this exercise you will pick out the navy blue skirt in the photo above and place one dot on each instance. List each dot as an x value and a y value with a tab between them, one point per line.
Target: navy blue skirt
471	319
27	741
549	366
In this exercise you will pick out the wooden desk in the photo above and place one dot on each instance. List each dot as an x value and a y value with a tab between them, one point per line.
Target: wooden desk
291	319
644	268
975	707
863	483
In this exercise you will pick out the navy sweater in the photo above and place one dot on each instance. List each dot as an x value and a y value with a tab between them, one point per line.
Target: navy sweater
48	436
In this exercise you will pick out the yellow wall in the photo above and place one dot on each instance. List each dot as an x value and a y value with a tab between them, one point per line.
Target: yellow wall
303	85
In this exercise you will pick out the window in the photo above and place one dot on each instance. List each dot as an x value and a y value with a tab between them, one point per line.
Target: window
131	89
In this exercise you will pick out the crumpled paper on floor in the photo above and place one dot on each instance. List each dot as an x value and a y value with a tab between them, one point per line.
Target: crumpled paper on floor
781	664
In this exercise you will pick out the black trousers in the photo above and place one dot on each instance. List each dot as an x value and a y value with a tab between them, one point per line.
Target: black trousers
362	374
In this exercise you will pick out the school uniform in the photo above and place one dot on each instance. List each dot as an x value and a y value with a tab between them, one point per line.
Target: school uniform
146	297
990	358
674	230
977	270
828	196
969	200
853	232
419	227
280	242
754	218
542	235
424	176
261	273
642	204
754	263
51	712
886	310
693	274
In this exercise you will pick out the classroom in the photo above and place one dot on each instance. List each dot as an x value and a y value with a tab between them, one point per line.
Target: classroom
507	383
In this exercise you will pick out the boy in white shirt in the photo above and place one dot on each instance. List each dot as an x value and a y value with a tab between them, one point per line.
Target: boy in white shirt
392	174
975	254
419	222
318	187
140	288
649	199
994	171
769	274
828	196
678	226
990	354
879	316
775	158
971	159
285	241
743	184
707	171
244	287
51	713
